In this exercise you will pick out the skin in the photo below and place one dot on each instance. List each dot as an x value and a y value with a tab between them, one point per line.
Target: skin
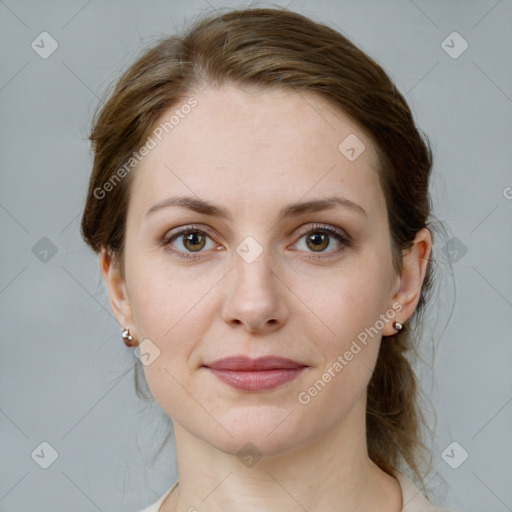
254	152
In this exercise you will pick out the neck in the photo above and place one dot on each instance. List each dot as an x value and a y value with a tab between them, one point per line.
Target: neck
333	472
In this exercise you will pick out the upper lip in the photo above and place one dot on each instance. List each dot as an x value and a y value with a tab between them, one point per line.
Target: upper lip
242	363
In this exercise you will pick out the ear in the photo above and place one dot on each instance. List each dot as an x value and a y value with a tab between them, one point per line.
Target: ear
410	281
116	287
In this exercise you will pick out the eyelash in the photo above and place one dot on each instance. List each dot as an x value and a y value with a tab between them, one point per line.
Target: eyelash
344	240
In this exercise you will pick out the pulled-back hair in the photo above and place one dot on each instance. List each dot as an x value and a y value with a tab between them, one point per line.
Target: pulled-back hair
280	48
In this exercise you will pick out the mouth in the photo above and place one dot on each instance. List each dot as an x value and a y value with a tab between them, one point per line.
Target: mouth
259	374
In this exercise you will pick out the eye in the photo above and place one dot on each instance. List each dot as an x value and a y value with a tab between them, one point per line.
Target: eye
319	237
191	239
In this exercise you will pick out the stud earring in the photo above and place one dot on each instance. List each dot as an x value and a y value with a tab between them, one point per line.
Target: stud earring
128	338
398	326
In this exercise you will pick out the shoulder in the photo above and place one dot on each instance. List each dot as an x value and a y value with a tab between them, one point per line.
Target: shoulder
413	500
155	507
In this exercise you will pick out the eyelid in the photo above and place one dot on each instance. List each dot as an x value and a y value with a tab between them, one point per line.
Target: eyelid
315	226
175	232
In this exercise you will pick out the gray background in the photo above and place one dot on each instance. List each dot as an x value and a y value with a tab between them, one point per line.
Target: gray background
63	365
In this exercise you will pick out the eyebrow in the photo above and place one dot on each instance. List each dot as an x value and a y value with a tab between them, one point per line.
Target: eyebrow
292	210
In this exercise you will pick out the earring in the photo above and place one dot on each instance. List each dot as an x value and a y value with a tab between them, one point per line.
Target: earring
398	326
128	338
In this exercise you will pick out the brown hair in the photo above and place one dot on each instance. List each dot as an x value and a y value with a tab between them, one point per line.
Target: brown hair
281	48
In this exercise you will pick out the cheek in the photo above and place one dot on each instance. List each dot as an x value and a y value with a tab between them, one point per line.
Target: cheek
345	329
174	311
344	305
167	299
349	349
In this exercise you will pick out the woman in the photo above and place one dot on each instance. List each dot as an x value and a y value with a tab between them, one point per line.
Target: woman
260	204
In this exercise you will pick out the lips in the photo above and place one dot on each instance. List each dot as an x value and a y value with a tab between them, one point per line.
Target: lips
261	364
259	374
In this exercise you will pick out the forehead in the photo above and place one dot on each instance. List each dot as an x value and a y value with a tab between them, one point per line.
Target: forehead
257	147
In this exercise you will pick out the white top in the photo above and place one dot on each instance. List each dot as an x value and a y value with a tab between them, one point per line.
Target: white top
412	498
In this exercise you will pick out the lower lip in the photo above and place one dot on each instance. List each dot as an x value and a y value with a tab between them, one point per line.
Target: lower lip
257	380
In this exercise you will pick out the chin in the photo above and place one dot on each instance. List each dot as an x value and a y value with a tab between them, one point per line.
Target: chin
261	432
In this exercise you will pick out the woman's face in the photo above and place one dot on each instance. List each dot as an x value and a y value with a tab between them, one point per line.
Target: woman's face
254	282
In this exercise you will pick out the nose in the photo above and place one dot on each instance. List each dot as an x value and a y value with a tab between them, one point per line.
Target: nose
254	297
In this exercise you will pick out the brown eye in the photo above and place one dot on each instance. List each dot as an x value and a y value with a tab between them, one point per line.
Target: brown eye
188	242
320	237
317	241
194	241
